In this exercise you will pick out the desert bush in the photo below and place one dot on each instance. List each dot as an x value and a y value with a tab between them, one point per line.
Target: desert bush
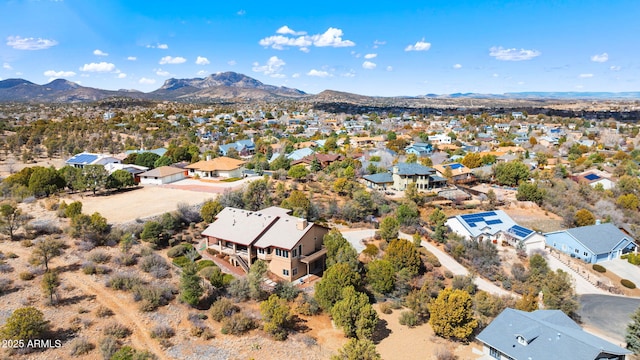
237	324
85	246
103	311
5	285
155	265
286	290
443	353
152	296
124	281
223	308
27	275
385	308
39	228
181	261
430	258
628	284
128	259
146	251
204	263
116	330
108	347
162	332
179	250
448	274
26	243
5	268
408	318
80	346
633	258
12	255
240	289
99	257
599	268
90	268
306	305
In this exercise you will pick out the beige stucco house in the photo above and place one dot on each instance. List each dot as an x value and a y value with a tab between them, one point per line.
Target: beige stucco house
219	167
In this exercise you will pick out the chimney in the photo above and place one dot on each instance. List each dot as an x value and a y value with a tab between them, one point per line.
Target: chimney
301	224
208	157
598	222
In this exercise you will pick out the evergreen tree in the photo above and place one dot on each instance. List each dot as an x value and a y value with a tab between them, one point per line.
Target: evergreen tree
632	335
354	314
190	285
452	315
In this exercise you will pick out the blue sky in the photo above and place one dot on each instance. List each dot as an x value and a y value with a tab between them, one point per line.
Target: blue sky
372	48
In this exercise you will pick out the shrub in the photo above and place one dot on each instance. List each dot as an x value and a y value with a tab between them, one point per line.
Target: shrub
124	281
108	346
27	275
306	305
80	346
103	311
628	284
99	256
26	243
204	263
286	290
152	296
179	250
162	332
599	268
237	324
127	259
117	330
443	353
5	285
181	261
633	258
408	318
385	308
223	308
155	265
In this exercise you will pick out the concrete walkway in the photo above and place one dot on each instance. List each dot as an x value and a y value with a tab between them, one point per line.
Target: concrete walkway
457	269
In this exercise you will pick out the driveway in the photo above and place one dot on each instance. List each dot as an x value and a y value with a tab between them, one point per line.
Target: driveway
355	237
608	315
582	286
623	269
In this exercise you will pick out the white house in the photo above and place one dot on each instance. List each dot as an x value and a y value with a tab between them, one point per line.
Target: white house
440	139
162	175
219	167
495	226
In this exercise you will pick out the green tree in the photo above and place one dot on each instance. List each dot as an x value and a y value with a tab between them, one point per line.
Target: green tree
298	172
73	209
94	177
45	250
72	177
163	161
299	203
389	227
276	316
511	173
281	162
437	218
255	278
119	179
256	196
628	185
381	276
190	285
472	160
358	349
559	293
584	217
452	315
25	323
408	213
339	250
628	201
335	278
530	192
426	161
146	159
152	232
354	314
50	283
403	255
45	181
412	159
330	144
632	334
210	209
418	301
11	219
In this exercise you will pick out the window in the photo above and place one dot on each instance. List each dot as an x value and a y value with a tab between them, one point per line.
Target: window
285	272
577	251
299	250
294	253
494	353
282	253
260	251
295	271
585	254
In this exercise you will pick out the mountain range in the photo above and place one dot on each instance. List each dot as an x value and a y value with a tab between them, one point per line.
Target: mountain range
231	86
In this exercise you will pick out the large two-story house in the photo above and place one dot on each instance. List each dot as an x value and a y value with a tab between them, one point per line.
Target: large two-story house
291	246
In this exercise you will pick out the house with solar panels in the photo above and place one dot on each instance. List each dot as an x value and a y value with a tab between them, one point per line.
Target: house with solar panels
498	227
459	172
83	159
593	243
595	177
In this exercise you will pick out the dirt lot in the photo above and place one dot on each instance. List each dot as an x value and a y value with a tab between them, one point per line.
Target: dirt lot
10	164
138	203
533	217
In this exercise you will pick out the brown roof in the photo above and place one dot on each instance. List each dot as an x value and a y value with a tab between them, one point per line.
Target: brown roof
322	158
218	164
162	172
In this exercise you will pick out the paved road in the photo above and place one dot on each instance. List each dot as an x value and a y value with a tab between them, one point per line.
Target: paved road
354	237
607	315
582	286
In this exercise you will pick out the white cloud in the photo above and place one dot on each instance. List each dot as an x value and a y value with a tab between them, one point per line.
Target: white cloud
615	68
285	30
121	76
457	66
585	76
512	54
201	60
370	56
7	66
59	74
273	67
378	43
368	65
295	75
389	68
349	74
98	52
231	62
98	67
172	60
163	46
202	73
241	12
495	75
419	46
161	72
600	58
330	38
318	73
147	81
20	43
132	58
356	54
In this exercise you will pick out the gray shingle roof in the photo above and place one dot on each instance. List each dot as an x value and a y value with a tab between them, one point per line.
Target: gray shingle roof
599	238
379	178
413	169
549	334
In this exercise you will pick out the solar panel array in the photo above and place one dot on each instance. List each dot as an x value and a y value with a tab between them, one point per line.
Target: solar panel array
83	159
472	219
493	222
592	177
454	166
520	231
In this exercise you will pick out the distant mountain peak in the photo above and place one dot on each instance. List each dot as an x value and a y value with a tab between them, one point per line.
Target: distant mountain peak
61	84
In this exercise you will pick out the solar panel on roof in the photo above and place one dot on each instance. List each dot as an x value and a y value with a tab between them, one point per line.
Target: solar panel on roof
494	222
520	231
472	224
592	177
455	166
